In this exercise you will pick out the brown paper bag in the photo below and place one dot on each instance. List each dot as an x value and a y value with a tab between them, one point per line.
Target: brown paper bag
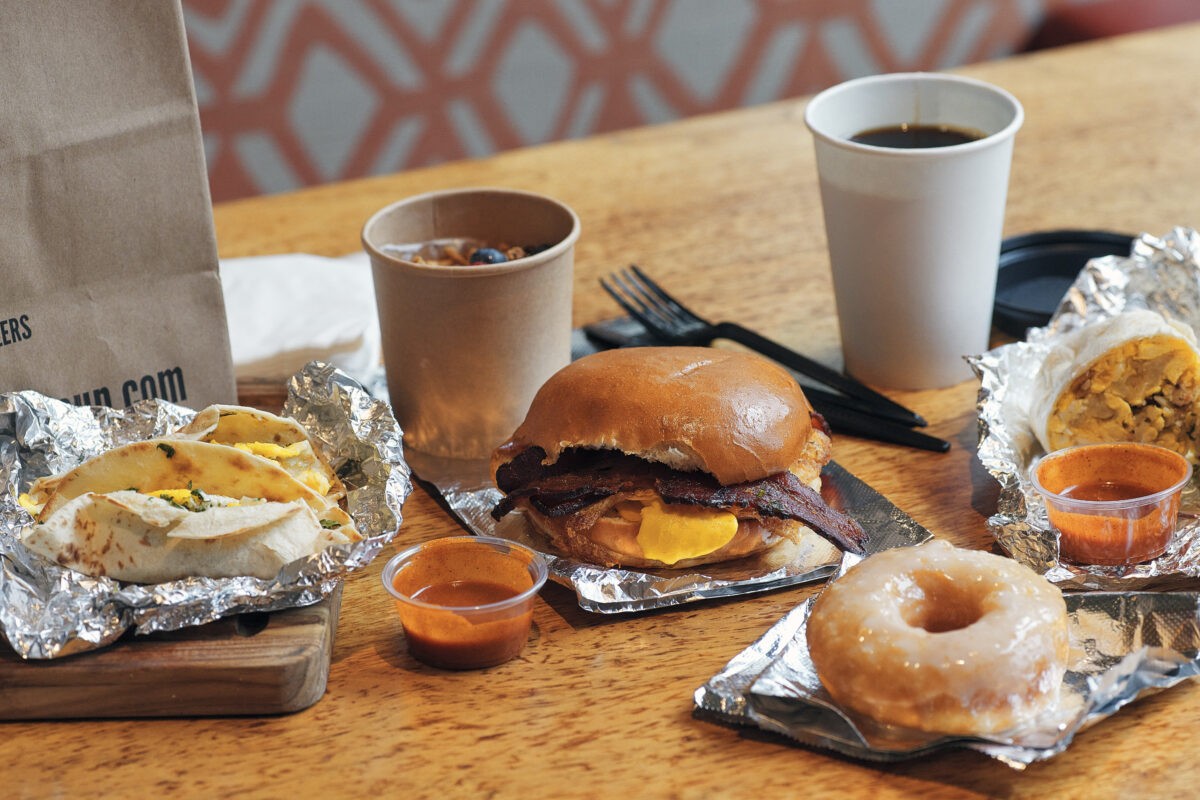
109	290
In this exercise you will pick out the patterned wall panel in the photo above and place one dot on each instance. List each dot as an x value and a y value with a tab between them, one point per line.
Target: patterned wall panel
300	92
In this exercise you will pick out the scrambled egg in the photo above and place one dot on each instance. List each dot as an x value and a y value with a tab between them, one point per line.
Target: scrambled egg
673	533
1142	390
190	498
177	496
295	458
26	502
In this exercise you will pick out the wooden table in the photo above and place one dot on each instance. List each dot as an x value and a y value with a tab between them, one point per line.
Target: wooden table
724	209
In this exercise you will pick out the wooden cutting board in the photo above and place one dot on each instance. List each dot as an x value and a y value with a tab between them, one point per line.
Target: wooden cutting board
255	663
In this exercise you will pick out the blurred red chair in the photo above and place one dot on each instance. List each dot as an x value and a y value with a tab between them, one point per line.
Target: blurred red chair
1070	23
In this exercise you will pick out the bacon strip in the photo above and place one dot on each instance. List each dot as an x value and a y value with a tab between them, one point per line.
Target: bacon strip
581	478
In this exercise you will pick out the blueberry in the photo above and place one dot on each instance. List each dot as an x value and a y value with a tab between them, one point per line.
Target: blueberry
488	255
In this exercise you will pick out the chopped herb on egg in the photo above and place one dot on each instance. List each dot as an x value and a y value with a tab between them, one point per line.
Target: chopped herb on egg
187	499
171	500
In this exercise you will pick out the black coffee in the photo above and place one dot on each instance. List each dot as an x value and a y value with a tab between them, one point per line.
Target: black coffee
910	136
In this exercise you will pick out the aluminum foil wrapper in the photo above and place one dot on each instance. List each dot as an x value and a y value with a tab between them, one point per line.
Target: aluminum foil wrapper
466	487
1122	645
1162	275
47	611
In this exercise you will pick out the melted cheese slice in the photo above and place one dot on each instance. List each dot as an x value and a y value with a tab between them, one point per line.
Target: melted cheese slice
673	533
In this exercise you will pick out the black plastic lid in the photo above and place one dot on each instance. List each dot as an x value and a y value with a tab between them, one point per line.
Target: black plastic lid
1037	269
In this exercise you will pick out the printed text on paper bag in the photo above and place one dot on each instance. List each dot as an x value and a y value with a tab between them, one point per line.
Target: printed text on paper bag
14	329
166	385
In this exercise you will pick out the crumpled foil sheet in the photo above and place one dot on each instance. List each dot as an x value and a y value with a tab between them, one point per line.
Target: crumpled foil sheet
47	611
1162	275
1122	645
466	487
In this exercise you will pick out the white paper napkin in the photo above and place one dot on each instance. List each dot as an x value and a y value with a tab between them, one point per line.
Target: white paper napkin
286	310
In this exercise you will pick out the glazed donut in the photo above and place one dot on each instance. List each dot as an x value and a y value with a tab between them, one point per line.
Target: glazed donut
940	639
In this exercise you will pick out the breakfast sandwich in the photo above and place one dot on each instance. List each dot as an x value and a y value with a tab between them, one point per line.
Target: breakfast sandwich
670	457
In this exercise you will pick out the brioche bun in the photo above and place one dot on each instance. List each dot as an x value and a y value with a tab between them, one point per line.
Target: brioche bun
736	416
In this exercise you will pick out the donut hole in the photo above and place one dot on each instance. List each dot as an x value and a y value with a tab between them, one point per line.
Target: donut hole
941	604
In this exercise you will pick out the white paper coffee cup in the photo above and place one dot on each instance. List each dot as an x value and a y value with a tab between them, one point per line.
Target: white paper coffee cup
914	234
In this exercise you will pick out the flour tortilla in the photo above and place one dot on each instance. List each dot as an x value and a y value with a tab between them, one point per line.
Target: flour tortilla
245	515
158	464
141	538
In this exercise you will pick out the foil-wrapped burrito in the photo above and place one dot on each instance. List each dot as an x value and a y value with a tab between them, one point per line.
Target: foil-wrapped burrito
1134	377
1116	362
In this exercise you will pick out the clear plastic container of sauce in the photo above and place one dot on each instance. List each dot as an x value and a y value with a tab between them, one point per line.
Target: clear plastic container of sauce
465	602
1112	504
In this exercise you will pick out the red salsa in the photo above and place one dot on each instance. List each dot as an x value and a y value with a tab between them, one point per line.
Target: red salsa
464	604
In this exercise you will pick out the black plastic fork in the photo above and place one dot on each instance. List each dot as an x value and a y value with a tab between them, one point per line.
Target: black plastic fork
670	321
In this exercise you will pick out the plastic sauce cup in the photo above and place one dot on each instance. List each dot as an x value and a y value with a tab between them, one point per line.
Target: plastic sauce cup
1112	504
465	602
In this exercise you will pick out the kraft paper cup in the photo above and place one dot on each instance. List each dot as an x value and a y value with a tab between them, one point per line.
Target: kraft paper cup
914	234
466	347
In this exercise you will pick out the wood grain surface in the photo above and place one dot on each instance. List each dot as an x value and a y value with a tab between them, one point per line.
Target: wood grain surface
724	210
254	663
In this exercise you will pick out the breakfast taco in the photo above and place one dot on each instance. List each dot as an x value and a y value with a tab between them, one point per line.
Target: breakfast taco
1134	377
165	509
269	436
